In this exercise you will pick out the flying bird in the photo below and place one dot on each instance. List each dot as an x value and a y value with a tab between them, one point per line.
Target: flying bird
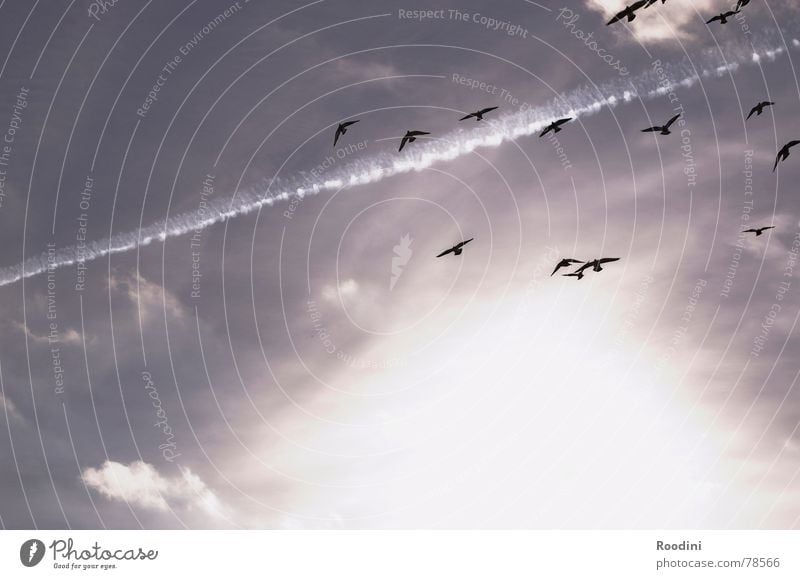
456	249
598	263
784	153
578	274
564	263
342	129
410	137
662	130
759	108
555	126
629	12
478	114
723	18
594	265
758	230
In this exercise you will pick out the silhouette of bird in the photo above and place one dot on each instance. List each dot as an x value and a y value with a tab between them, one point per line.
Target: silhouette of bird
628	12
594	265
342	129
758	230
723	18
663	130
410	137
564	263
555	126
598	263
784	153
759	108
457	248
478	114
578	274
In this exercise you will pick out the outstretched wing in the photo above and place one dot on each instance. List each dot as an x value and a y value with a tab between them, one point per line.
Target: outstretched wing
446	252
672	120
546	130
717	17
466	117
560	122
403	143
484	111
652	130
339	133
750	231
754	111
607	259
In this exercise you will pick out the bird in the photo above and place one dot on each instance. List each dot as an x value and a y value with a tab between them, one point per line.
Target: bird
595	265
478	114
723	18
759	108
628	12
456	249
555	126
410	137
758	230
578	274
784	153
598	263
564	263
663	130
342	129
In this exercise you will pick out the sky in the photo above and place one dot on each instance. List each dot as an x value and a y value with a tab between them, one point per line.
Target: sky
214	318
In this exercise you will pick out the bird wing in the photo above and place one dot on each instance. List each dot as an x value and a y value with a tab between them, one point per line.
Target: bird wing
607	259
755	109
717	17
672	120
417	133
403	143
546	130
446	252
616	18
749	231
777	160
560	122
466	117
348	123
463	243
558	266
651	129
484	111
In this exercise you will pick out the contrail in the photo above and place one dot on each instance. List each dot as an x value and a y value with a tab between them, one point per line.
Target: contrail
583	101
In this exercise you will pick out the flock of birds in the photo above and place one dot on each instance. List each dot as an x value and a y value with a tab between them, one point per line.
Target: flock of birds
629	12
557	125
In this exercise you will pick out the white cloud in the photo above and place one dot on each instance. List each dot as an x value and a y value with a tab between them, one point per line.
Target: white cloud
7	406
659	21
139	483
346	289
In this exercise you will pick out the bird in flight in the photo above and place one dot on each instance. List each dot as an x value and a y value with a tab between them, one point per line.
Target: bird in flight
759	108
342	129
456	249
723	18
478	114
555	126
758	230
410	137
595	265
564	263
784	153
663	130
629	12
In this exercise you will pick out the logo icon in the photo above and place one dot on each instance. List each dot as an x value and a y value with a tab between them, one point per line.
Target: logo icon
31	552
402	253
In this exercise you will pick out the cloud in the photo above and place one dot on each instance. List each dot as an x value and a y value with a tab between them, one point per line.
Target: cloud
68	337
139	483
7	406
653	24
347	289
